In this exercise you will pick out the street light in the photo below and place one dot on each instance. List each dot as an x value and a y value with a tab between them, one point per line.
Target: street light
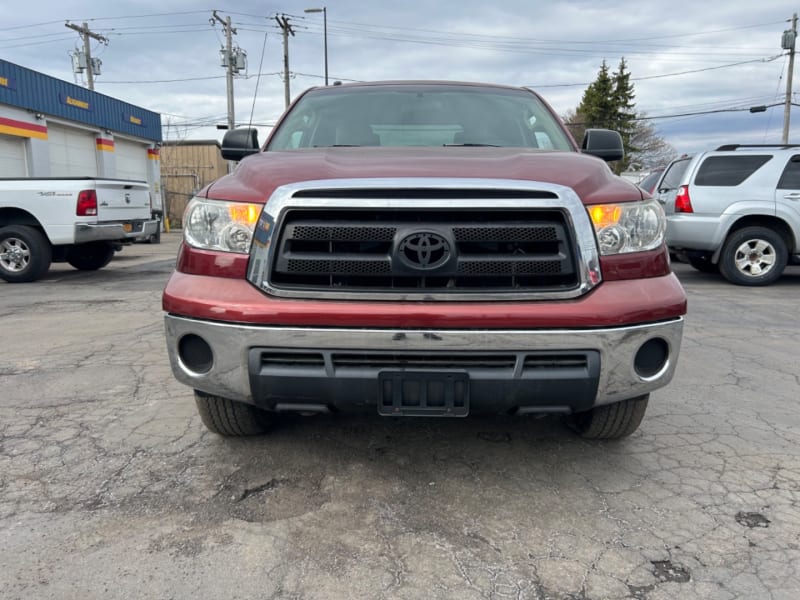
324	11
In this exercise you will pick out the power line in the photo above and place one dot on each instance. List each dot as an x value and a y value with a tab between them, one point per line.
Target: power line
522	47
33	25
323	77
164	14
421	30
547	40
703	112
32	37
645	77
505	43
168	80
250	76
167	32
40	43
354	27
258	79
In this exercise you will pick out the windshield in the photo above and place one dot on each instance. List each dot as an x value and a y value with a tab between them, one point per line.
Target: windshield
419	115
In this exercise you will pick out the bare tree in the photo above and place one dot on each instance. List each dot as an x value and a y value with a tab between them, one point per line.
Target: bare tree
576	123
651	149
647	148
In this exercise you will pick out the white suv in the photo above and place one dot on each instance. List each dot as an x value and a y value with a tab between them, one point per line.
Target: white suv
735	210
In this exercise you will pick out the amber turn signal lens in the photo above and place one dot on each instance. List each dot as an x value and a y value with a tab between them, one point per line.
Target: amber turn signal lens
246	214
604	215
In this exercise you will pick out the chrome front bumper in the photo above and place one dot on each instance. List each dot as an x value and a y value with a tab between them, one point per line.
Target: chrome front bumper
229	372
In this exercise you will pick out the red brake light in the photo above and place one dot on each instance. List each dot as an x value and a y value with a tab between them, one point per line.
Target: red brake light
683	204
87	203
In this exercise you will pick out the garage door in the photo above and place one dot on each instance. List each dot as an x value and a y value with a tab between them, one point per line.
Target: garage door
131	159
72	152
12	156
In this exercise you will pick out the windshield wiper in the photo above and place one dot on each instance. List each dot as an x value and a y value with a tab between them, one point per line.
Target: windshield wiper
484	145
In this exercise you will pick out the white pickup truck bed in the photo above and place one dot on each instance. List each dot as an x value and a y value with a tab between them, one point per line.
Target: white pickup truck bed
79	220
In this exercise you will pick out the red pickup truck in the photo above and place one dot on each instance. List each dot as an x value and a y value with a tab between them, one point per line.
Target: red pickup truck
423	249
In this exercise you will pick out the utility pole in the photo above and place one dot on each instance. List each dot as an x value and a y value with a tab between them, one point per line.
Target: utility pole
86	33
228	62
789	37
286	28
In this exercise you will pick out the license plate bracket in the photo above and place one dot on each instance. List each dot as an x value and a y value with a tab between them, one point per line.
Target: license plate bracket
423	393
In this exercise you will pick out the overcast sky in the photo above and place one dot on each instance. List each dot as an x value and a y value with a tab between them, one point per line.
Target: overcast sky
684	56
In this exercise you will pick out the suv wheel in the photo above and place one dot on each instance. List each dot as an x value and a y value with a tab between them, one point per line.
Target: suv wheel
753	256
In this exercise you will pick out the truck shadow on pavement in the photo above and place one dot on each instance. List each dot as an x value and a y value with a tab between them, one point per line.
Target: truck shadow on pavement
304	463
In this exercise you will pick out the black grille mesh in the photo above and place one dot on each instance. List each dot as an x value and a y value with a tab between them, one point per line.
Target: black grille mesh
346	267
505	234
497	267
343	234
337	250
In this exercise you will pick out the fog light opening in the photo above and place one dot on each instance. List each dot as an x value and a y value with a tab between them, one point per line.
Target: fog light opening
651	358
195	353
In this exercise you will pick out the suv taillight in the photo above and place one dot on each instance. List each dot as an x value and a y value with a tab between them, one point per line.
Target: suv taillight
683	204
87	203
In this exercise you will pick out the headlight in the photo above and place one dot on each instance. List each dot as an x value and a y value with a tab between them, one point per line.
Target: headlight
628	226
220	225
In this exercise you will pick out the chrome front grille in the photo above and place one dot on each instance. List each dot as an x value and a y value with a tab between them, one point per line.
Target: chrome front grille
356	250
424	239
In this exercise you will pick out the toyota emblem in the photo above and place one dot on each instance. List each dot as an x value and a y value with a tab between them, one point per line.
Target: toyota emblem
424	250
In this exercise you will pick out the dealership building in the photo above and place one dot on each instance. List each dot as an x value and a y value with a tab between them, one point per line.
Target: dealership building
53	128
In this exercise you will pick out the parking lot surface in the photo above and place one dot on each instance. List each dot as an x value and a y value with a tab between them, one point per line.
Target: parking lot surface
110	487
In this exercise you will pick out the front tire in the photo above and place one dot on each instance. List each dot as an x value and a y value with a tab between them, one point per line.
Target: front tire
753	256
230	418
25	253
90	257
612	421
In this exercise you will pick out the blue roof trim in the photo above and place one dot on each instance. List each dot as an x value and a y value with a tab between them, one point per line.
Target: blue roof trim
31	90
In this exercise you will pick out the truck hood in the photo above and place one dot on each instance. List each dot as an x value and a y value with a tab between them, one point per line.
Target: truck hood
257	176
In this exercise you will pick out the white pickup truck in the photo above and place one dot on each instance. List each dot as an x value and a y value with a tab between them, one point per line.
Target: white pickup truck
80	220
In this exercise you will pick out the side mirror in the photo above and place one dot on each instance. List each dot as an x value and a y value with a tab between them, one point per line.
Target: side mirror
238	143
603	143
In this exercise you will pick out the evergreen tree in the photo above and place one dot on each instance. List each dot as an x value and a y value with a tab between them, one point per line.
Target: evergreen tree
608	103
598	105
625	119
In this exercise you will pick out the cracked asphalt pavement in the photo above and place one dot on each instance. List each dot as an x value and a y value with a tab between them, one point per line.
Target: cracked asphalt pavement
111	488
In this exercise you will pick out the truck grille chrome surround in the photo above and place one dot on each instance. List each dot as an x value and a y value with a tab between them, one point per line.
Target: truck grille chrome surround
424	239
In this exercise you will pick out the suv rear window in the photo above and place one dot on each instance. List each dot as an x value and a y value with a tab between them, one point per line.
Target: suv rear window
728	171
790	180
